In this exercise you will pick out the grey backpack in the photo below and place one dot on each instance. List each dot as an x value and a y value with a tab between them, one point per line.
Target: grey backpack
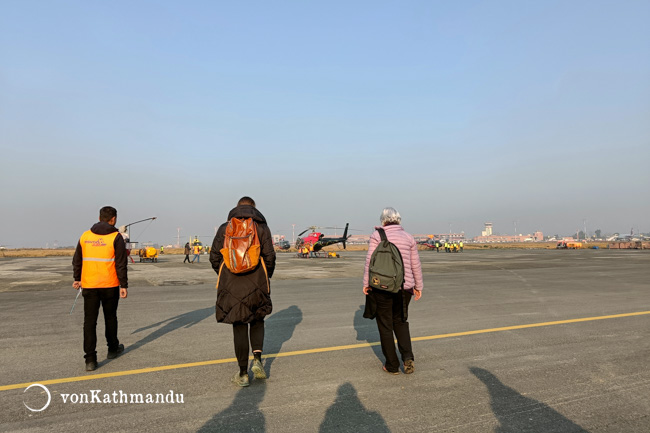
386	270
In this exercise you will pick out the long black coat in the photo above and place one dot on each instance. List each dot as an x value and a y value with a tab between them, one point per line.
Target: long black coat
242	298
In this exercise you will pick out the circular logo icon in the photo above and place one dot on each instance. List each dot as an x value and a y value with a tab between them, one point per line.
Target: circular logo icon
375	281
49	397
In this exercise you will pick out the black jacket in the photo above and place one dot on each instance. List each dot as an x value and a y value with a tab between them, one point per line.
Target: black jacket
242	298
102	228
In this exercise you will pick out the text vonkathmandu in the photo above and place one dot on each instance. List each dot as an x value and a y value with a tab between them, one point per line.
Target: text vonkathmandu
119	397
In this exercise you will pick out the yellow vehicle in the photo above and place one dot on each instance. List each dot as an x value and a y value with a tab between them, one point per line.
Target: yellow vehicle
570	245
148	254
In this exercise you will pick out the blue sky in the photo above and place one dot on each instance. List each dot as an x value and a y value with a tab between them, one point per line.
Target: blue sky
453	112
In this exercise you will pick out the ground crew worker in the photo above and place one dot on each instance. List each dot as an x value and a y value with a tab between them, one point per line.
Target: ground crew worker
197	253
244	300
311	251
446	246
162	249
461	246
99	269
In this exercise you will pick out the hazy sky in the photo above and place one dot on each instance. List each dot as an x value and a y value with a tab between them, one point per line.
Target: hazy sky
324	112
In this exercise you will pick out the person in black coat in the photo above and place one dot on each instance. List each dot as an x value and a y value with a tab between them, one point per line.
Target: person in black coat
244	300
186	251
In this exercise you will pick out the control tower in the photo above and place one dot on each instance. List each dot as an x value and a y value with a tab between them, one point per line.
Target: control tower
488	230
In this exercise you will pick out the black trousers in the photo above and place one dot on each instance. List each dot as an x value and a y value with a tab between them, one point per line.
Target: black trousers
108	298
241	332
187	258
390	320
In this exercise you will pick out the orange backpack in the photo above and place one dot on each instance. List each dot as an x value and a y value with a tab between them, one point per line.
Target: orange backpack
241	246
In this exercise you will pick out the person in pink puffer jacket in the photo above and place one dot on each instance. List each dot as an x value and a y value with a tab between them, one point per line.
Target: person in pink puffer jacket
392	308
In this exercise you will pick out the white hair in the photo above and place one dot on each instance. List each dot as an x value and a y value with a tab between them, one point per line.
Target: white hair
390	216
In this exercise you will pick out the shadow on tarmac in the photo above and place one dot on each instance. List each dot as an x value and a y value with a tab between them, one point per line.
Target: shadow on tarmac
348	414
184	320
243	414
278	329
519	414
367	331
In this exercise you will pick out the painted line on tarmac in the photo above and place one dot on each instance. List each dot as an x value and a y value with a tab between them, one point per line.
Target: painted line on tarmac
311	351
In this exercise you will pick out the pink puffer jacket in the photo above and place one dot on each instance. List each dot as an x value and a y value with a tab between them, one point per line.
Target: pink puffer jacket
409	250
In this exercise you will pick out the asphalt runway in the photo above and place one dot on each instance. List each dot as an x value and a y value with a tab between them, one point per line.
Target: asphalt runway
505	341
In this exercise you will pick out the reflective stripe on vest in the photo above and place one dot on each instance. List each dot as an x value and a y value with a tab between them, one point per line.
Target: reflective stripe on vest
98	253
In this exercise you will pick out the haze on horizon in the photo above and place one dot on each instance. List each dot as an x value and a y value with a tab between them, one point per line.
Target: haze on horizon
453	113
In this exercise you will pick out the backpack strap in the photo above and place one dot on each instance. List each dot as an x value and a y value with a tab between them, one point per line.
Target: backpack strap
382	234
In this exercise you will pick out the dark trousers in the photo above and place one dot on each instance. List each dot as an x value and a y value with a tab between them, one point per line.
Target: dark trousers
108	298
187	258
390	319
241	333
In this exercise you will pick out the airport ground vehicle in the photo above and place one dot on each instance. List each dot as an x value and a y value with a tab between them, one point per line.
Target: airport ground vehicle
148	254
283	245
570	245
318	254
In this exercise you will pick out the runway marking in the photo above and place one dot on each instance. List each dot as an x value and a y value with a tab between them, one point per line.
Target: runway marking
311	351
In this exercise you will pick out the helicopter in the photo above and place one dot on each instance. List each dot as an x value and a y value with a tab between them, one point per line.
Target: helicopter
318	240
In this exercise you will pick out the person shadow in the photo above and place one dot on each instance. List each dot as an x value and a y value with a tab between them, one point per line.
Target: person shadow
185	320
243	414
348	414
519	414
278	329
367	331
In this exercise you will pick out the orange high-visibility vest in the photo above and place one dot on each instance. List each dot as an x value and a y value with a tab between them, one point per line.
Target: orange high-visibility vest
197	249
98	254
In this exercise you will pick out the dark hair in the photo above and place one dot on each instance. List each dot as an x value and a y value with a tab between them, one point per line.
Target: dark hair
246	200
107	213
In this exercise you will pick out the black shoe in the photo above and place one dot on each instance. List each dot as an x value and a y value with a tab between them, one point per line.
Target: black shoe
118	352
91	365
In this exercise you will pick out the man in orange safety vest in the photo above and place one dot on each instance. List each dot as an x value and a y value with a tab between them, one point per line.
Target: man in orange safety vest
99	267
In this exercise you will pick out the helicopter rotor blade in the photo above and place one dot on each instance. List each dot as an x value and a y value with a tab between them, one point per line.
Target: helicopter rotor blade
146	219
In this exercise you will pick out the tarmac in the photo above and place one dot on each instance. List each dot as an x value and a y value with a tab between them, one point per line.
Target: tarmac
504	341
